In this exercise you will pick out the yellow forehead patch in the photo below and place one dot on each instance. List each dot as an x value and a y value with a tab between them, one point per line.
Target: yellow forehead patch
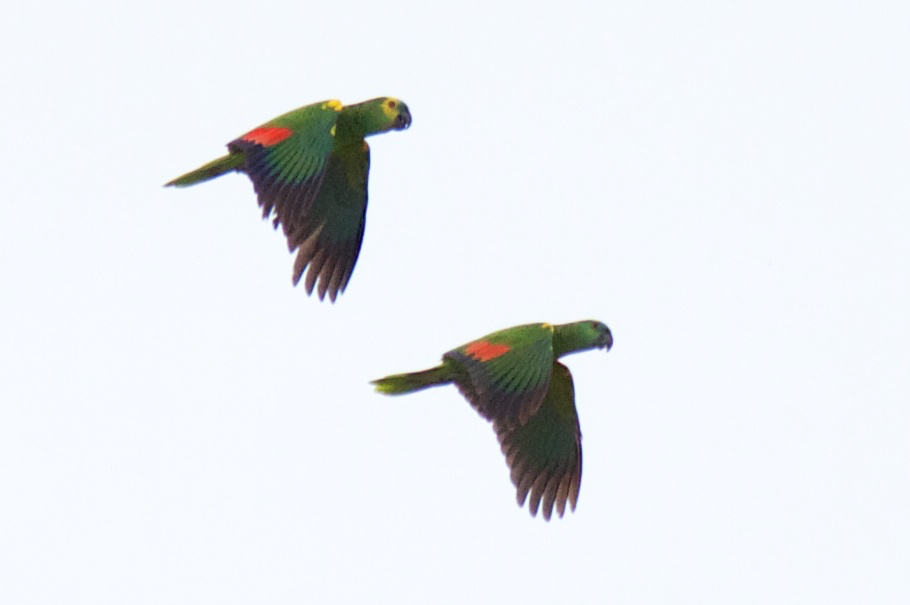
547	326
333	104
390	107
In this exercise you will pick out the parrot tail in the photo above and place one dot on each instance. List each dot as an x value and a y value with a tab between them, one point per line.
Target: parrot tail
398	384
233	161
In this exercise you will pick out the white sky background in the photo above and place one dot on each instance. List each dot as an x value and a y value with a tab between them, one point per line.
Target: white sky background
726	187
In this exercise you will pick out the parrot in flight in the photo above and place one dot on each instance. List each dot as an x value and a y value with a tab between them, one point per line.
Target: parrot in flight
309	167
513	379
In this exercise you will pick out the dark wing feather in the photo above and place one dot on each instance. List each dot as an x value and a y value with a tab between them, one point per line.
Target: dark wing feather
329	235
544	454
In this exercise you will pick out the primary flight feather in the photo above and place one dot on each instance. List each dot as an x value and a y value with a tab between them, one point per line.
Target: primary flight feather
513	379
310	168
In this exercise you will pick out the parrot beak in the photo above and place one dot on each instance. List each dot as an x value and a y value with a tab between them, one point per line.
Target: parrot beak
606	340
403	120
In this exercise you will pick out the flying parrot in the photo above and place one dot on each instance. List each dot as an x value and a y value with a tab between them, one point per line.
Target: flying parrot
513	379
310	167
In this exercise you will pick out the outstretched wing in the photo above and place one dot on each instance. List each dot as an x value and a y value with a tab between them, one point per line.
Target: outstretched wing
505	375
544	454
329	236
287	159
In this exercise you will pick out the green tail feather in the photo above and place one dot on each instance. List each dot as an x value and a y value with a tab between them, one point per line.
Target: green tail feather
209	171
408	383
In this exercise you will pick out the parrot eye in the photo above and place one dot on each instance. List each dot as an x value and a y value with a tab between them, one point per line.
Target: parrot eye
391	104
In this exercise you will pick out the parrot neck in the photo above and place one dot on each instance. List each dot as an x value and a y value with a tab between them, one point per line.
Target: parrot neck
359	121
568	338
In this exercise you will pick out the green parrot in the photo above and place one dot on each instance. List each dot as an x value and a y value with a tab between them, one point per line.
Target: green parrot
513	379
310	167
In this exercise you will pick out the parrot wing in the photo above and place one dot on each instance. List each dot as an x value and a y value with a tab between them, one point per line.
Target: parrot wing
329	235
505	375
544	454
287	159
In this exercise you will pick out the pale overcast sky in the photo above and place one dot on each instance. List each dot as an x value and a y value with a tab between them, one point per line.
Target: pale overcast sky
724	184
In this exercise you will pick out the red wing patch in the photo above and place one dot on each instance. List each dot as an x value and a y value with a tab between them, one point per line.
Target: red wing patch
485	351
267	136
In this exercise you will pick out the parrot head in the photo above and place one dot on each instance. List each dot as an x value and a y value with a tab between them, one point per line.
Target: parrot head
601	335
379	115
595	333
581	336
397	113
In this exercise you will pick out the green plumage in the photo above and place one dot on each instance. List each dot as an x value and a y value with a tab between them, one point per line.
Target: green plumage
209	171
512	379
400	384
544	454
310	169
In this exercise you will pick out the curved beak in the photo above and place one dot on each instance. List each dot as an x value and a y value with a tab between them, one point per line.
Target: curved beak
606	340
403	120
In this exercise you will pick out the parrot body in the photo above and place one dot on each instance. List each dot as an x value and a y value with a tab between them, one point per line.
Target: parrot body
310	168
513	379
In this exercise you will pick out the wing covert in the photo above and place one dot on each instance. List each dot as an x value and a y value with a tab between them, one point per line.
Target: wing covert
506	374
287	160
